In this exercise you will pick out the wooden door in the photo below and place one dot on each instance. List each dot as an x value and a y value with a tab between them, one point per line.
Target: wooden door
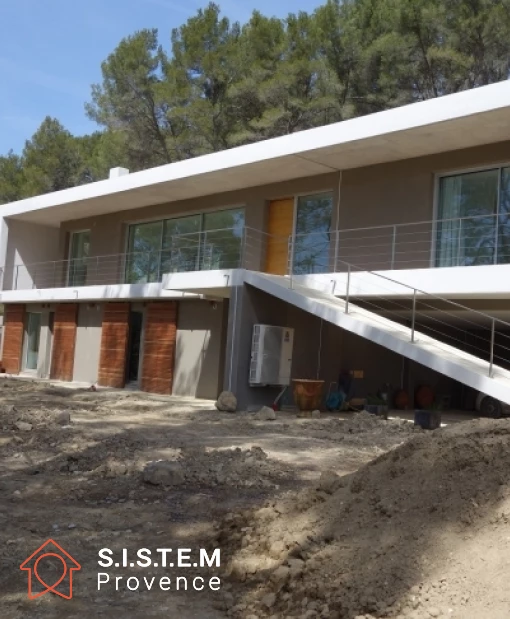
64	341
279	226
114	337
160	334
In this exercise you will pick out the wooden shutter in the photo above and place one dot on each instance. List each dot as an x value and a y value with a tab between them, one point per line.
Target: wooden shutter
160	332
64	341
14	317
114	339
279	227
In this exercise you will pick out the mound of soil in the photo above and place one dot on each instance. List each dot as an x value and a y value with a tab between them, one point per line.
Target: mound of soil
416	533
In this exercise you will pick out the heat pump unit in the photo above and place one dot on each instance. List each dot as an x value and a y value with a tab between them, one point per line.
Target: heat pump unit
271	355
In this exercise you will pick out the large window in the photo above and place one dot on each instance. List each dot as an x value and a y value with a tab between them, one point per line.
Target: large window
313	233
193	243
78	258
473	214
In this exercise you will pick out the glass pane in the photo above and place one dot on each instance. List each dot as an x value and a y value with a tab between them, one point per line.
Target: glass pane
504	218
80	251
313	227
32	340
222	240
181	241
144	253
466	235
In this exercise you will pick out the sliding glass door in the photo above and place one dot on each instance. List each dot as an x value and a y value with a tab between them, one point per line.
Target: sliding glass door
181	244
78	258
473	225
313	234
32	338
192	243
222	243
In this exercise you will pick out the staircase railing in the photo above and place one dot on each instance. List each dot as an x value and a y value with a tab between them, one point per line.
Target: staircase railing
468	329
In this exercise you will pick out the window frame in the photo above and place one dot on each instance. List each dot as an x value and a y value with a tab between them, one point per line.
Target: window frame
73	233
194	213
25	342
334	224
499	166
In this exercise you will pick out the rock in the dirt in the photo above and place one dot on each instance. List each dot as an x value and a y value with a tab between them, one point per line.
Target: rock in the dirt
115	469
329	482
280	576
316	414
23	426
269	600
266	414
63	418
277	549
227	402
164	473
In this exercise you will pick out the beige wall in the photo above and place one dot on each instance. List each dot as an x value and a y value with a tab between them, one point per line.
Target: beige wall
109	232
29	245
400	192
199	349
385	194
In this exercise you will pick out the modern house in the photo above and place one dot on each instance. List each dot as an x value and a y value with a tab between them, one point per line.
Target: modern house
383	241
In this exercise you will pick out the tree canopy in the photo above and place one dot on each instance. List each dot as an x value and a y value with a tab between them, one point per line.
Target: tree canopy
223	84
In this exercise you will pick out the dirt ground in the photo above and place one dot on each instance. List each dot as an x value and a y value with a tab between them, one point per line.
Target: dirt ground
315	518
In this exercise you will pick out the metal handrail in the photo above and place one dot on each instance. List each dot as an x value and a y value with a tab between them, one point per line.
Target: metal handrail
415	292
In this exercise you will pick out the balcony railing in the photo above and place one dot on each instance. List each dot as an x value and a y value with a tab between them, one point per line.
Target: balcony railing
214	249
466	241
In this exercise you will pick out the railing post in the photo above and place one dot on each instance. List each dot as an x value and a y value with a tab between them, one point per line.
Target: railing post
16	277
493	336
34	283
348	289
291	242
200	250
460	241
242	262
337	247
54	274
393	247
413	317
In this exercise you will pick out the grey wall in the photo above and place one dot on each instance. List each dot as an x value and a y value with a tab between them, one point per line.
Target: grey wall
321	350
199	349
88	342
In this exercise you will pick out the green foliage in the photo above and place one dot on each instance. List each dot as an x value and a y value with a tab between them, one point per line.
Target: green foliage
51	159
225	84
129	99
11	178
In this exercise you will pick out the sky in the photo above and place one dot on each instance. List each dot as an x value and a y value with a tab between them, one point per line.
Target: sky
51	52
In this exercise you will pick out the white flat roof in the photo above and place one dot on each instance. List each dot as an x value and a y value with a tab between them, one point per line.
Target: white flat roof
470	118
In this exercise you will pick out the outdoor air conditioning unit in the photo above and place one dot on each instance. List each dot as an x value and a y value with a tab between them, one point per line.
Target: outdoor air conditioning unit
271	355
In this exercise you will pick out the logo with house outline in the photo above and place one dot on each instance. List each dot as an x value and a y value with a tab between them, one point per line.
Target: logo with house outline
63	586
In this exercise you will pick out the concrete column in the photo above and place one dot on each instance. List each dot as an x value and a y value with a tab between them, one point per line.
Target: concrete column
247	307
4	236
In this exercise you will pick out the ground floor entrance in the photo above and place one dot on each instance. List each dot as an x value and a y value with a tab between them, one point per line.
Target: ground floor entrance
159	346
